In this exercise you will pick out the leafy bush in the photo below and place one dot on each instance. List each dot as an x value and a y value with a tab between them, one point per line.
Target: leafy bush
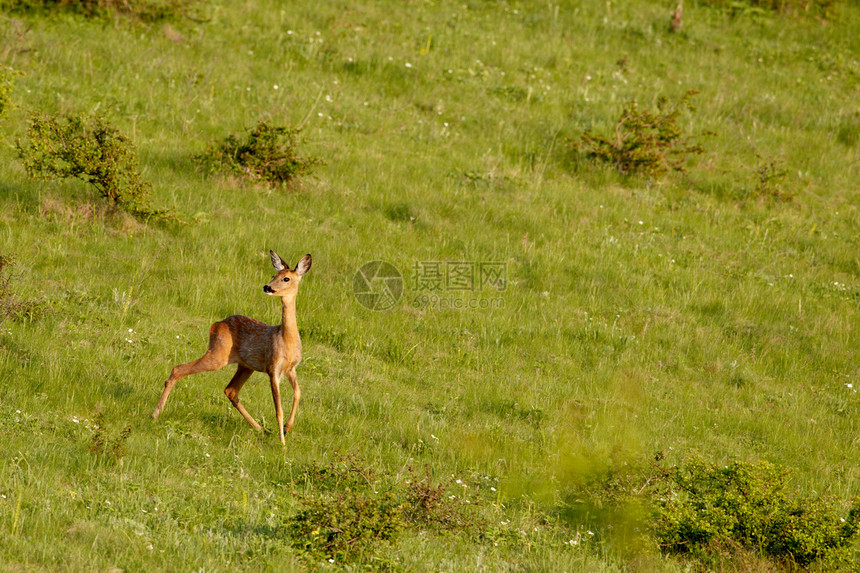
716	514
352	512
644	142
431	504
700	506
89	149
347	527
103	444
268	154
144	10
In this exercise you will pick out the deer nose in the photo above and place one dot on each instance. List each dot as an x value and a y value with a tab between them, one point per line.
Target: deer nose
268	289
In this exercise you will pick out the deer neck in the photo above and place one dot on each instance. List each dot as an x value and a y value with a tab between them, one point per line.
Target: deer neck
289	326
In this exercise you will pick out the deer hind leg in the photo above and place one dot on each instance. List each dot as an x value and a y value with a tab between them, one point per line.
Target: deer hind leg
216	357
232	392
297	394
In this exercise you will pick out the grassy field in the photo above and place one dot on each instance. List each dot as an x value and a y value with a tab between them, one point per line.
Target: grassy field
699	313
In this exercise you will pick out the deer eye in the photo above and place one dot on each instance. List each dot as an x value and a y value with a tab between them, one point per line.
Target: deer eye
286	279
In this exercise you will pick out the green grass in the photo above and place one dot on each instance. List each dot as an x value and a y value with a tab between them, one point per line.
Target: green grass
639	317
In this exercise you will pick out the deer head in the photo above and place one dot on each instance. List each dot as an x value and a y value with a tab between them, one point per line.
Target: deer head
285	283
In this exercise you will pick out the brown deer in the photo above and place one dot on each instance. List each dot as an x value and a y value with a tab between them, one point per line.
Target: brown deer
254	345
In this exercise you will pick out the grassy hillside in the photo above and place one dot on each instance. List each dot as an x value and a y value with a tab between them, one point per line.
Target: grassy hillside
713	313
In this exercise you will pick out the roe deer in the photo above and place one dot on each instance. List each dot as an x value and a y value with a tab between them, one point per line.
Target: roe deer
255	345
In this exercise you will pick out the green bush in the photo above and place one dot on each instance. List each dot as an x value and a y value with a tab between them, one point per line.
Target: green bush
347	527
431	504
103	444
268	154
700	506
350	514
88	149
643	142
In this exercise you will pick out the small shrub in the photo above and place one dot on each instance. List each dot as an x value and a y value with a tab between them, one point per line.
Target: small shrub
715	514
423	497
88	149
268	154
351	513
768	175
701	506
347	527
103	444
430	504
644	142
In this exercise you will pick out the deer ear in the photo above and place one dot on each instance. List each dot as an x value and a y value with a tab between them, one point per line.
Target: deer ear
304	265
277	262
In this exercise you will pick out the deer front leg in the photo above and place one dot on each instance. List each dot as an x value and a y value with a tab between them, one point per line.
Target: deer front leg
276	396
297	394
